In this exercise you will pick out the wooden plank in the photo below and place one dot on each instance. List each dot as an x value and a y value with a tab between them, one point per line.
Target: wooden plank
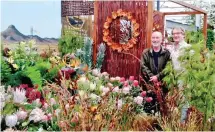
149	23
182	13
188	6
95	34
205	28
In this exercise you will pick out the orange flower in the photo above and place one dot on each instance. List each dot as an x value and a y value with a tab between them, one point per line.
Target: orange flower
124	13
136	26
114	15
93	108
105	32
106	25
119	12
75	63
135	34
109	19
133	21
130	16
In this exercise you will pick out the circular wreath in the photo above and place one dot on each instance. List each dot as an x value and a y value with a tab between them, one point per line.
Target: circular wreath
106	31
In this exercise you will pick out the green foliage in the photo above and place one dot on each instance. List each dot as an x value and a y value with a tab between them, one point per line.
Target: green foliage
5	71
198	77
70	42
192	37
100	56
15	79
34	75
9	109
210	39
85	54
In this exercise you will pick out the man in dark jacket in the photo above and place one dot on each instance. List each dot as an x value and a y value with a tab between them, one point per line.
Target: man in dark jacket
153	61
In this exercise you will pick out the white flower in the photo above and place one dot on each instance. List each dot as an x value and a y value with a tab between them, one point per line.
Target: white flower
82	79
116	89
191	52
105	74
52	101
67	106
126	90
22	115
2	97
112	79
119	104
82	93
138	100
36	115
106	78
11	120
96	72
37	102
117	78
93	96
110	85
92	86
19	95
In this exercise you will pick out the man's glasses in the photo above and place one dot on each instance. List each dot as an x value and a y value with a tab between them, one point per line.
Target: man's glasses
177	33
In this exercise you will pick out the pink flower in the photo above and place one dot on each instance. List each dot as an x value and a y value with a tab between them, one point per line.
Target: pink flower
119	104
105	90
45	106
122	79
52	101
22	115
125	83
149	99
126	90
44	118
143	93
138	100
116	89
131	78
104	74
135	83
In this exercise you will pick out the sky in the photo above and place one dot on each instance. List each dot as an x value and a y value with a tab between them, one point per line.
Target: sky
43	15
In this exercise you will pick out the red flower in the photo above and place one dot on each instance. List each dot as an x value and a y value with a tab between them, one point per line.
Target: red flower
143	93
122	79
131	78
135	83
149	99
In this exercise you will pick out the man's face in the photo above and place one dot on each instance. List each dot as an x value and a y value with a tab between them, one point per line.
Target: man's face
177	35
156	39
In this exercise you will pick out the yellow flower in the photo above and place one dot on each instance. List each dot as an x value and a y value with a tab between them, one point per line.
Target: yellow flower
15	66
9	52
10	60
98	117
75	63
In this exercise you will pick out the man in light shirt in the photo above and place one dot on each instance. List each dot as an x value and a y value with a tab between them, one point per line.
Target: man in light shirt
176	50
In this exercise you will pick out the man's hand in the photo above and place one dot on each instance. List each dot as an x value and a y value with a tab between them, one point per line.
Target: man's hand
154	79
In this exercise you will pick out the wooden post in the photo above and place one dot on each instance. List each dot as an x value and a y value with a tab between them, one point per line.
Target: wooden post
205	28
95	33
149	23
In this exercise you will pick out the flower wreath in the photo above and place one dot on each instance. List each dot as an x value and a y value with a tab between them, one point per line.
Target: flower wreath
106	31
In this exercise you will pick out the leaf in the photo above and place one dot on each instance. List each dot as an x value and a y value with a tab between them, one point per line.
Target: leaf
9	109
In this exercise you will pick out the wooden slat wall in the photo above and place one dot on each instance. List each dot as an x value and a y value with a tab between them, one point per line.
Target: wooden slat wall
119	64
